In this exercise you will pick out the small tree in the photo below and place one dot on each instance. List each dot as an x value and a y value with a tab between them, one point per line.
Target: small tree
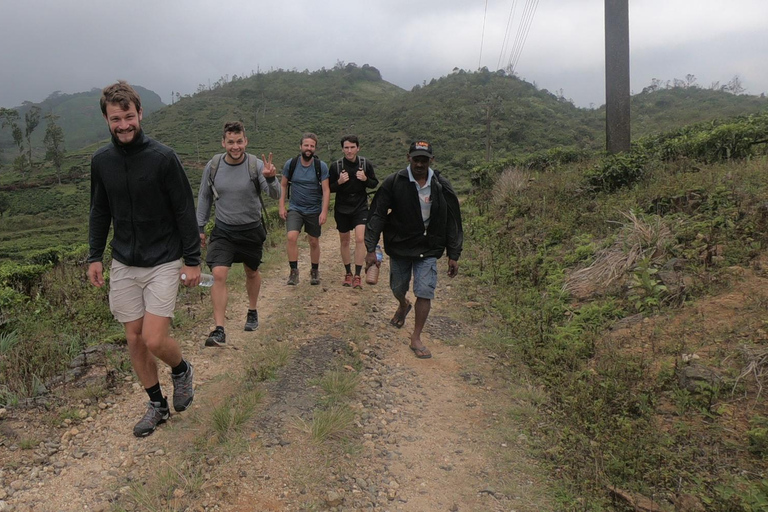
9	118
734	86
54	143
5	204
31	120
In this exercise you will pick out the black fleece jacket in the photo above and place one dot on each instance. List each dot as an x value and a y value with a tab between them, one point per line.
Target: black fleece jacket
142	190
395	210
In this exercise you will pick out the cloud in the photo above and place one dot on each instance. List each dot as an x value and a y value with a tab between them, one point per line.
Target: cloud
175	45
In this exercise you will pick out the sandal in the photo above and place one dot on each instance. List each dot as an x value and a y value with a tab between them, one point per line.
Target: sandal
397	320
421	352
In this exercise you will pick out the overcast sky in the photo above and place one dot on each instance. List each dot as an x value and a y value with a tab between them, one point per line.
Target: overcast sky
175	45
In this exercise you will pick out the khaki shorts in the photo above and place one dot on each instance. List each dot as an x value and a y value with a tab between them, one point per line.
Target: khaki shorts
134	291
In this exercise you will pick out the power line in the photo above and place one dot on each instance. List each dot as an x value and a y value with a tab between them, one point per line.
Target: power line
482	35
527	31
505	41
523	30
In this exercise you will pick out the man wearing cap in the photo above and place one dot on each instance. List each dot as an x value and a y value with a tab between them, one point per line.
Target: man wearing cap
418	212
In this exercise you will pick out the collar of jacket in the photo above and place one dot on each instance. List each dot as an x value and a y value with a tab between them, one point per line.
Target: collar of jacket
137	144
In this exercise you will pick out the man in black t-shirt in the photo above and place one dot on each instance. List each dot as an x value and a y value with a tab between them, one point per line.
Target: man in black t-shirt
350	178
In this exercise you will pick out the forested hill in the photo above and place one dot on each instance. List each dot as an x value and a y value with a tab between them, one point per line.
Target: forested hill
467	115
79	117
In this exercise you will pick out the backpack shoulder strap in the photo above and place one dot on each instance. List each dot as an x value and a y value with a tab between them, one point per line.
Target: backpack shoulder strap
318	169
362	163
292	167
215	161
253	170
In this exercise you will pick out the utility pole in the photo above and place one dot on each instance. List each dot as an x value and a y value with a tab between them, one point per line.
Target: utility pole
617	126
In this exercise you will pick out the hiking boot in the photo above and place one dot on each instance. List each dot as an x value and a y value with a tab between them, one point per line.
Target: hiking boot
252	320
183	390
155	415
347	280
314	276
357	283
293	279
217	338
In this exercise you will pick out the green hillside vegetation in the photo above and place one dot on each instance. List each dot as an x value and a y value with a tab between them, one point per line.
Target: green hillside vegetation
467	115
596	271
587	268
80	118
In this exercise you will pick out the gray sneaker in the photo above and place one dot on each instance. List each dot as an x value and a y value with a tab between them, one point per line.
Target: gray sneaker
183	390
155	415
252	320
293	279
314	276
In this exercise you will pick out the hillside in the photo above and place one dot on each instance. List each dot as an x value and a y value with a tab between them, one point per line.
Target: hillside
467	115
80	118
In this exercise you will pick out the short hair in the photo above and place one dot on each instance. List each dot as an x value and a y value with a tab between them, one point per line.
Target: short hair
234	127
350	138
308	135
120	93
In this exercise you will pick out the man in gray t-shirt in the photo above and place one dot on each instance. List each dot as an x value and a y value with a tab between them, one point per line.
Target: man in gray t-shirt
238	235
307	178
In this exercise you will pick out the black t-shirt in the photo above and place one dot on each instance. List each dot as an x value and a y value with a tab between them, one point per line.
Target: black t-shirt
352	195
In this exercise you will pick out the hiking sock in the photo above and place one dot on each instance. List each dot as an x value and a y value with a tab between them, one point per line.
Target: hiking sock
348	268
180	368
293	264
156	395
315	266
358	268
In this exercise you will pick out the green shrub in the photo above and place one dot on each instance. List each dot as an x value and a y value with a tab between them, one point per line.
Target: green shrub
617	171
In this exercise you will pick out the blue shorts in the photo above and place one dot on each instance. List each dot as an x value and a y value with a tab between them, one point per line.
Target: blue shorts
424	277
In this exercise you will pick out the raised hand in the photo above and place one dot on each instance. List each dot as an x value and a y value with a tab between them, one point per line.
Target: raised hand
269	168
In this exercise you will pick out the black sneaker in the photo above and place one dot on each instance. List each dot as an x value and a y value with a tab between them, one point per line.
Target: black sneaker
314	276
217	338
293	279
252	321
155	415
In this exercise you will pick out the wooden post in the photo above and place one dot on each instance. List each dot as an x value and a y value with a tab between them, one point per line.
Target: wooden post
617	125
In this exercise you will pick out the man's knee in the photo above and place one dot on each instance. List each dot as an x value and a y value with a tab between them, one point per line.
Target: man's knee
314	242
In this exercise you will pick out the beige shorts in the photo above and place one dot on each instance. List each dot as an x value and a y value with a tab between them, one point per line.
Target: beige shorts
134	291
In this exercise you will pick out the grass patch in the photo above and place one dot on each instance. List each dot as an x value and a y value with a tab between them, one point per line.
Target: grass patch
332	423
228	418
338	385
171	488
267	362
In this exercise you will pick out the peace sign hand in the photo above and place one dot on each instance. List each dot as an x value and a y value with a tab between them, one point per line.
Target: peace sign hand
269	168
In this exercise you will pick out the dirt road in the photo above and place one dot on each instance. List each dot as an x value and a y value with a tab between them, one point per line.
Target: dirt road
428	435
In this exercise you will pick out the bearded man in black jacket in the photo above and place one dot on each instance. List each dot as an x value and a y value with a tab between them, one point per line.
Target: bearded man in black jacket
139	187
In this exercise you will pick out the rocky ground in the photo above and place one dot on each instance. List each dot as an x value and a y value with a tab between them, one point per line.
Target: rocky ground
428	435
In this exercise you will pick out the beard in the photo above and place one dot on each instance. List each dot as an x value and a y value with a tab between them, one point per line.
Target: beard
308	154
132	132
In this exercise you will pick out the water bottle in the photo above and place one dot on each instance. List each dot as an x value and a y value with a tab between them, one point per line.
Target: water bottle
205	280
372	274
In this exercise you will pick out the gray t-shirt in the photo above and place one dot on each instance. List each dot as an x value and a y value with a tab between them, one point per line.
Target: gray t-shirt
238	202
306	192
